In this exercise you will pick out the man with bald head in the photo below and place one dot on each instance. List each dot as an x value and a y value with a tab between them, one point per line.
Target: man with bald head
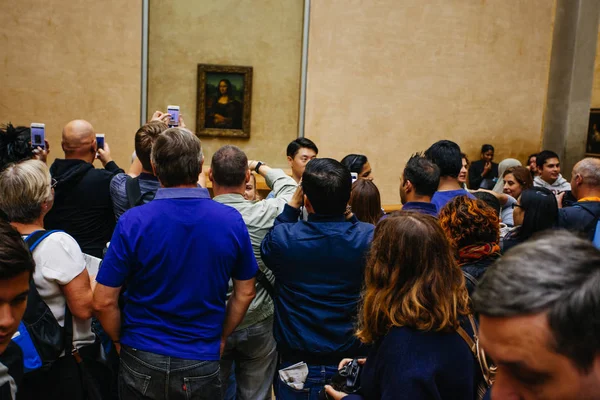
82	203
585	186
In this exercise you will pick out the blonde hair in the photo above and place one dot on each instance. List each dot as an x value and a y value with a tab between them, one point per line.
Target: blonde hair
23	189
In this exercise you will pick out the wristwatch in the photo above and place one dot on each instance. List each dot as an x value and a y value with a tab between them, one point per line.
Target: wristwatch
258	164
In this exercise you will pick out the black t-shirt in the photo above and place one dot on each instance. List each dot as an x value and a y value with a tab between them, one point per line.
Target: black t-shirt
11	371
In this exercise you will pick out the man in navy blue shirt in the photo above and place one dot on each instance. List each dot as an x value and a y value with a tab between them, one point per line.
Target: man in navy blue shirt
176	254
319	269
420	180
448	157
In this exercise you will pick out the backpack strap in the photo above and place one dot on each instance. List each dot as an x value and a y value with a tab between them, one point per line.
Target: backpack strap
35	238
133	191
470	278
266	284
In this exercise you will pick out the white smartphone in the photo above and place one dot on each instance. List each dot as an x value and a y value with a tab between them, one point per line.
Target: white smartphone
38	135
354	176
173	111
100	140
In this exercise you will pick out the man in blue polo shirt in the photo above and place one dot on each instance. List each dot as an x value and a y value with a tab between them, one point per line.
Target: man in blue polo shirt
176	255
419	182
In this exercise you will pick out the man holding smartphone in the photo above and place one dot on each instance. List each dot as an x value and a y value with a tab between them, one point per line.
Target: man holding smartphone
82	203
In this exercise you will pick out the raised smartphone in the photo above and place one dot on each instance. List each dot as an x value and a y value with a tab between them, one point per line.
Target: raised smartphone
38	135
100	140
173	111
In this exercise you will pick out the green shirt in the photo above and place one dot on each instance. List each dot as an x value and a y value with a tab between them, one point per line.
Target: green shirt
259	217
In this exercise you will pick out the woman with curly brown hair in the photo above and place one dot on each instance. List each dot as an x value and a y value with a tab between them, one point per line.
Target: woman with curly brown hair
412	305
473	229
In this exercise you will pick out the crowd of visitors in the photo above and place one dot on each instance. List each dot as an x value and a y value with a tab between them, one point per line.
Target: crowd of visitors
148	285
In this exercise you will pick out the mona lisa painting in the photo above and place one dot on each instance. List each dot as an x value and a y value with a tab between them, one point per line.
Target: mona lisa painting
224	100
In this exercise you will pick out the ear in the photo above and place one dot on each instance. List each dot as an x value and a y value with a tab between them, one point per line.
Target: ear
62	145
578	179
408	187
210	175
308	206
248	175
153	168
290	160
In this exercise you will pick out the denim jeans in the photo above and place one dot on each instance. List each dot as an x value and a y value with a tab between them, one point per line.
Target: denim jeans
145	375
255	356
318	377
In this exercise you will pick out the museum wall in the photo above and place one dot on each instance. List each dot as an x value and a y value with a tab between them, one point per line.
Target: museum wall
263	34
596	86
391	78
63	60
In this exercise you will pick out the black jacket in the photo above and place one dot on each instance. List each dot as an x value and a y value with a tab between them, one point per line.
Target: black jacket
475	171
476	269
579	219
82	204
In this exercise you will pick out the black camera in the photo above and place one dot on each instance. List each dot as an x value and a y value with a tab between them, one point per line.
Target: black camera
346	380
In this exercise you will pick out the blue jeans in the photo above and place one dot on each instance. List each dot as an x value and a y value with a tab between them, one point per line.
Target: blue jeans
253	349
318	377
145	375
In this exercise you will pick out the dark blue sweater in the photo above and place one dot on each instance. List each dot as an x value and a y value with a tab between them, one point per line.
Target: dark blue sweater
415	365
319	271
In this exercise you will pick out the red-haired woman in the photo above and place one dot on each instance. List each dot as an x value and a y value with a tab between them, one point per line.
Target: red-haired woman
473	229
413	303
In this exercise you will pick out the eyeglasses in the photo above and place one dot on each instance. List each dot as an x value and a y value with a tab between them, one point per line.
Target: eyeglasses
53	183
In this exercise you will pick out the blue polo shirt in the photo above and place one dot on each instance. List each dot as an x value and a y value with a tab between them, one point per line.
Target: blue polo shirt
176	255
440	199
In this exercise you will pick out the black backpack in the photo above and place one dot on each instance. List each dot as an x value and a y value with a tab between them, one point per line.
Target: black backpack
135	197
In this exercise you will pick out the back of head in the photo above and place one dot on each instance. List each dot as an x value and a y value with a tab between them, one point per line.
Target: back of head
544	156
411	278
354	162
78	139
446	155
541	211
468	222
177	157
14	144
557	274
486	147
423	174
299	143
522	176
144	139
490	200
327	184
365	201
589	170
229	166
23	189
15	257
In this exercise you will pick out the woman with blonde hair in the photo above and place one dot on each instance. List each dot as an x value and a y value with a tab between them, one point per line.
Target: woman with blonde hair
413	303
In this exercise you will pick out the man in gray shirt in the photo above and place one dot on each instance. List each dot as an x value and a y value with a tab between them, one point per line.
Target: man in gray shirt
252	345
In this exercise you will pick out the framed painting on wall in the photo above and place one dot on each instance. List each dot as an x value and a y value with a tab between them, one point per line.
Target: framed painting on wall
592	147
224	100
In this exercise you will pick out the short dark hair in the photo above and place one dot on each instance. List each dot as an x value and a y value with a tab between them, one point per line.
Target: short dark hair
557	274
177	157
327	184
447	156
15	144
490	200
15	257
229	165
486	147
354	162
423	174
300	143
543	156
541	211
144	139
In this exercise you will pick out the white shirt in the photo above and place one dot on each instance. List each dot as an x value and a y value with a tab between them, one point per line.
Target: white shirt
59	260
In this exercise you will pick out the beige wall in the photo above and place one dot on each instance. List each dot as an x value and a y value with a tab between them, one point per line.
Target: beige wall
389	78
264	34
63	60
596	86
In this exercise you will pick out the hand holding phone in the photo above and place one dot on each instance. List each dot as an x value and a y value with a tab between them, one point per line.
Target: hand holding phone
173	111
38	135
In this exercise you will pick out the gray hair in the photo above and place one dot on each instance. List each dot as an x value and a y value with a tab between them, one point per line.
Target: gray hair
23	189
557	273
589	169
177	157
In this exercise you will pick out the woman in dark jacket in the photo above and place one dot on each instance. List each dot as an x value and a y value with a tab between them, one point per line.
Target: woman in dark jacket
473	229
483	173
412	306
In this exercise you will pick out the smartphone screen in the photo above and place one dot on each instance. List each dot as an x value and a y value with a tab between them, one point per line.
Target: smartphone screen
38	135
100	140
354	176
174	113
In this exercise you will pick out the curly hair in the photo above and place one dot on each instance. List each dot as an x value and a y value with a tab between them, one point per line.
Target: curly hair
411	279
468	222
